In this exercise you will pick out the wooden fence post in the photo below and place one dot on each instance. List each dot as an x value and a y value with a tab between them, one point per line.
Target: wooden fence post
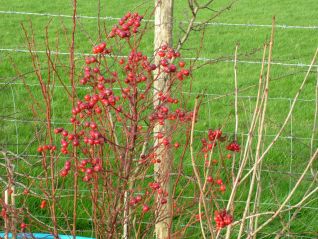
162	170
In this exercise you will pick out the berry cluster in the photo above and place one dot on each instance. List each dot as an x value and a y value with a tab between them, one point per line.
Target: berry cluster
137	68
213	137
222	219
128	25
161	194
219	182
214	134
167	55
99	49
234	146
162	113
44	148
135	200
90	167
206	146
66	169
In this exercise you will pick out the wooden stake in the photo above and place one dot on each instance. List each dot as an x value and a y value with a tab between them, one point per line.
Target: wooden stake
163	35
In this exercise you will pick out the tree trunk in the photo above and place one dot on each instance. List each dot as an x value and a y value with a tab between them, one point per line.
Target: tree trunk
163	35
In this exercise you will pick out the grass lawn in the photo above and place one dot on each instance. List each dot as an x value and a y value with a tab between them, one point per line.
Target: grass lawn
293	46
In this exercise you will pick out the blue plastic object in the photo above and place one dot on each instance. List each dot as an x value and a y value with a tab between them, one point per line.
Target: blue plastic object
42	236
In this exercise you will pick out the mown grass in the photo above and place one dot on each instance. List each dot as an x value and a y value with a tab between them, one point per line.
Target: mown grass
292	46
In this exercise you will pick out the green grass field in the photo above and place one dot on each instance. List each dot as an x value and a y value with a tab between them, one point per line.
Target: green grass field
293	46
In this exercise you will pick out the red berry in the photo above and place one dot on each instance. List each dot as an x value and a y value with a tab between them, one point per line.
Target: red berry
161	53
40	149
64	173
222	188
209	179
3	213
165	142
23	226
180	76
172	68
164	201
159	135
185	72
96	69
93	125
164	47
145	208
58	130
43	204
121	61
102	45
138	198
219	181
97	168
181	63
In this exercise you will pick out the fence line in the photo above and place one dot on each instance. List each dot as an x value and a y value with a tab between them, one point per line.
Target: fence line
295	174
183	92
203	59
184	197
282	26
7	119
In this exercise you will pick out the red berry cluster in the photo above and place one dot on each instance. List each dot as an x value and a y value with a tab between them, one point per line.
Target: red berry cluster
44	148
213	137
161	194
206	146
99	49
168	54
66	169
90	167
128	25
234	146
90	60
162	113
214	134
68	138
95	78
222	219
222	186
135	200
88	137
137	68
219	182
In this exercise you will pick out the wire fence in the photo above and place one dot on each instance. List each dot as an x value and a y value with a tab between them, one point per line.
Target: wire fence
149	20
186	58
291	137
